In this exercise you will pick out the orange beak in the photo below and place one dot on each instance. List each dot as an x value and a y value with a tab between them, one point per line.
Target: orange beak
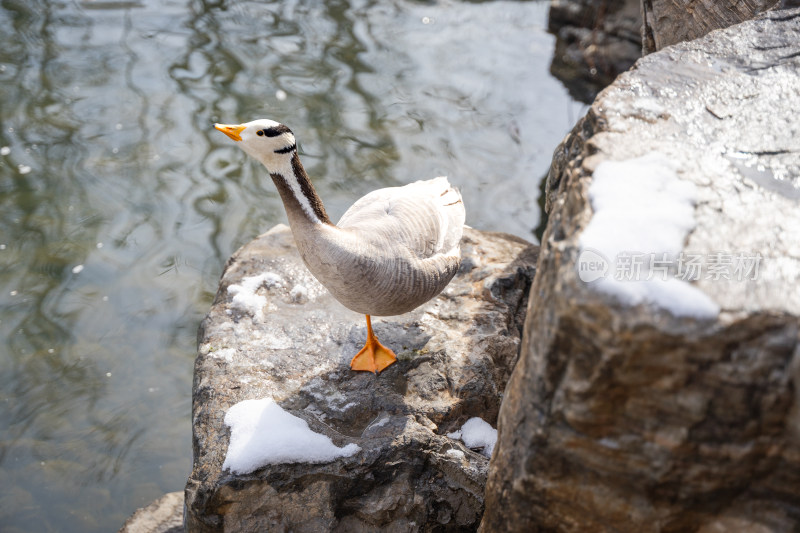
230	130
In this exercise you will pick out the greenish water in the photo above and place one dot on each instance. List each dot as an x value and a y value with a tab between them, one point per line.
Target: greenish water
119	204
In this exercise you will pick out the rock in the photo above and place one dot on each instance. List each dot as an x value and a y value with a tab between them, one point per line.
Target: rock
666	22
165	515
455	355
595	41
637	417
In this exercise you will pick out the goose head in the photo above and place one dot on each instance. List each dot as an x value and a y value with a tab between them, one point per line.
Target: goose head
270	142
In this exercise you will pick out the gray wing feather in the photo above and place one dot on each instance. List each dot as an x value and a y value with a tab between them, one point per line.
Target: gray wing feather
425	217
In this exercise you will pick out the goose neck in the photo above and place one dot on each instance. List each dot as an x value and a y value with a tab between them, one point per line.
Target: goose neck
299	197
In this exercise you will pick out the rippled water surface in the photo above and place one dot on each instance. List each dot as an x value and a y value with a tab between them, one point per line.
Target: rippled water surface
119	204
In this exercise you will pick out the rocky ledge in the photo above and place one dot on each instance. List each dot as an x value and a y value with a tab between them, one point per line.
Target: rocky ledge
657	383
274	334
165	515
666	22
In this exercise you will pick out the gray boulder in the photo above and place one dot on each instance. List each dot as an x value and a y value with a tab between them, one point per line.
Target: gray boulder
667	404
666	22
165	515
287	339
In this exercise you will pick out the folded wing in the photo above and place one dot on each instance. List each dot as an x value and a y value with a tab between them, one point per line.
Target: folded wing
425	217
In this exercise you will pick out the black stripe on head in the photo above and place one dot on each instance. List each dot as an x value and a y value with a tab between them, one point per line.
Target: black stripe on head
286	149
274	131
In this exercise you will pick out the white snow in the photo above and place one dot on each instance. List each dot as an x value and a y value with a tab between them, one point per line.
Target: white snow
299	293
262	433
456	454
224	353
245	297
641	206
477	433
676	296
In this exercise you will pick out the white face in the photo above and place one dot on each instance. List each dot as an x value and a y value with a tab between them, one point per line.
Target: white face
268	141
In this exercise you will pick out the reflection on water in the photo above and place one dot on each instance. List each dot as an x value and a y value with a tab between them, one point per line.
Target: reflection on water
119	205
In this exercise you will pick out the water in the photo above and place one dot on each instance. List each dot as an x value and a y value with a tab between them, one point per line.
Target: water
119	205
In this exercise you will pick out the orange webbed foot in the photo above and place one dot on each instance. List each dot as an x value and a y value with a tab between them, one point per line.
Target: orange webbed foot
374	356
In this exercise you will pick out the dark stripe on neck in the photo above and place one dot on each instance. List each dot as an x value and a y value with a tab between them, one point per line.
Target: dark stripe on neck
286	149
306	189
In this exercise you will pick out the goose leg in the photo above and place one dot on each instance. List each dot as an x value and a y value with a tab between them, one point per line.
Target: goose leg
374	356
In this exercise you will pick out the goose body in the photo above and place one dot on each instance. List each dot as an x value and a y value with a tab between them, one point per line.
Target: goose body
393	250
